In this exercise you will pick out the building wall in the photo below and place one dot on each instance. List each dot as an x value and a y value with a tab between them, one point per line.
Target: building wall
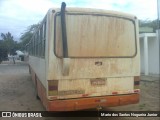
142	55
158	6
153	55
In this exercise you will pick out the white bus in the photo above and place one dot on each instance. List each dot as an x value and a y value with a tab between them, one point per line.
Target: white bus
82	58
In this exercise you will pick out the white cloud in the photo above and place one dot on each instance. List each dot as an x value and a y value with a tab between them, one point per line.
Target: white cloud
17	15
143	9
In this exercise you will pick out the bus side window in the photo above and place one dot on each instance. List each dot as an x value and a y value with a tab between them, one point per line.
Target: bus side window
40	41
37	43
36	40
31	47
34	45
43	40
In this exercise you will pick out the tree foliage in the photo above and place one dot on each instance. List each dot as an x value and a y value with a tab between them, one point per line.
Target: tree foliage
150	23
27	35
8	41
7	45
3	51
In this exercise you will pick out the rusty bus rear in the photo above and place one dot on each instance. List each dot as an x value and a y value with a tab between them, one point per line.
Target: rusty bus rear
102	65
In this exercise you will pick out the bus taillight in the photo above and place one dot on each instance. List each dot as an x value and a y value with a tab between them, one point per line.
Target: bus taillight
52	87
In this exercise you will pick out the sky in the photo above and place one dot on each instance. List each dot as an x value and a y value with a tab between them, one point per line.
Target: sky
17	15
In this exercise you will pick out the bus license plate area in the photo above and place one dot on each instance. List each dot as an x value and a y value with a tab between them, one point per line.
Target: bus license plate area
98	82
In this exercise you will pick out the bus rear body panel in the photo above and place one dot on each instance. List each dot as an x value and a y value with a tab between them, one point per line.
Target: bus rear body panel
103	55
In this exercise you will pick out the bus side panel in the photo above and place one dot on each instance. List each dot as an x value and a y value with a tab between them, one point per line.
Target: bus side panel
38	67
40	89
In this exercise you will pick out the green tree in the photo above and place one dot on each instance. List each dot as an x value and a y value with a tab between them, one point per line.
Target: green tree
150	23
27	35
7	45
8	42
3	51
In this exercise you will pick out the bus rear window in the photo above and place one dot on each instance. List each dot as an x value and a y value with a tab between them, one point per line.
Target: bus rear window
96	36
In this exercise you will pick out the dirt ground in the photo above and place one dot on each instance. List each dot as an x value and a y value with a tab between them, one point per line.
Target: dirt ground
17	93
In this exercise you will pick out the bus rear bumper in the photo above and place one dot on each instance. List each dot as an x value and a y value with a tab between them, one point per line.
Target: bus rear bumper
94	102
